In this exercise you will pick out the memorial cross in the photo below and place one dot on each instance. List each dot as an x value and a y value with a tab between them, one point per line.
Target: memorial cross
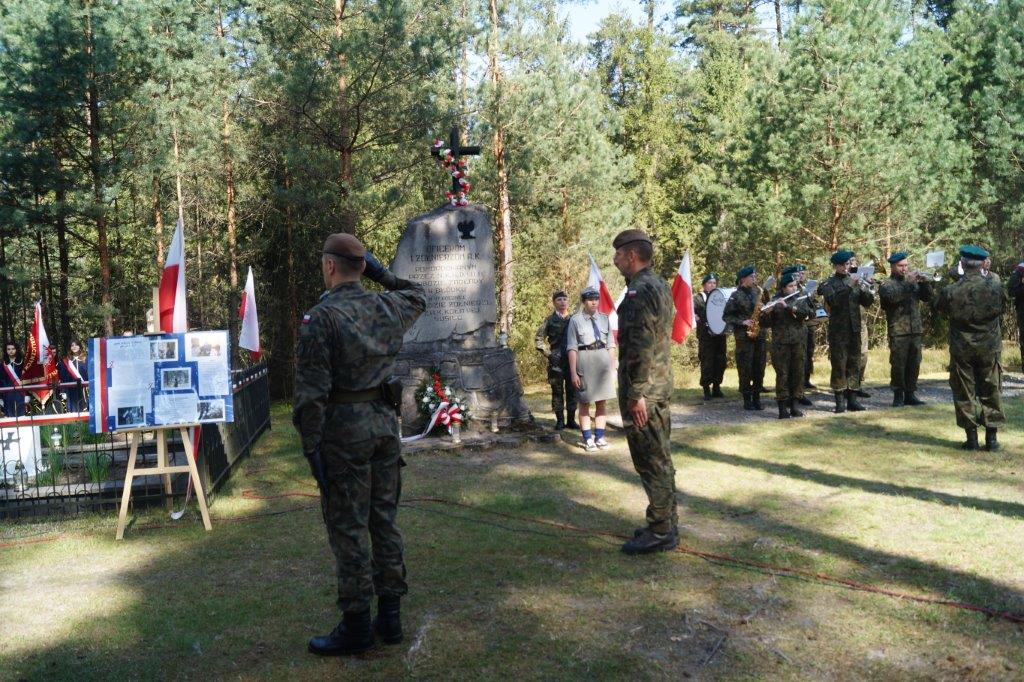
457	151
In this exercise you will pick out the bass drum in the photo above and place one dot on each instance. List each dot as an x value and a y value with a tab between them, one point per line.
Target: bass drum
715	308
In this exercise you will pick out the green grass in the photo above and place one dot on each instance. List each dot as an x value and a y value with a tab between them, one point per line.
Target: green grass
878	497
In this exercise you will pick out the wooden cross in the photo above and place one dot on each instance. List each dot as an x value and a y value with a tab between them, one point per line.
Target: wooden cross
458	151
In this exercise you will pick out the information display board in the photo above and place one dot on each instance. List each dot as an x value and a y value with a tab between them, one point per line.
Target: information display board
159	380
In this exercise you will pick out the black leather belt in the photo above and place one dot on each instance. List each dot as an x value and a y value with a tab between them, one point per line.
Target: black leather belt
349	397
597	345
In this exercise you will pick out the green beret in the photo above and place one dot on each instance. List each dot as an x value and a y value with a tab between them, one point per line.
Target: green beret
898	256
840	257
745	271
630	236
799	267
786	280
709	277
971	252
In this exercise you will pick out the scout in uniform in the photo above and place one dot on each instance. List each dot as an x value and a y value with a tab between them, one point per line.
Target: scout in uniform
900	297
74	368
742	311
550	341
711	351
844	295
589	344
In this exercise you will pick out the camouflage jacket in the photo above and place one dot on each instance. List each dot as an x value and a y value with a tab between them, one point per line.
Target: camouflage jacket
899	301
550	337
787	323
348	342
740	307
645	338
843	300
1015	288
975	307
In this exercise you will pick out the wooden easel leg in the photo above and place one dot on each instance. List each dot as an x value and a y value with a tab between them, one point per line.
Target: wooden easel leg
161	462
190	457
133	449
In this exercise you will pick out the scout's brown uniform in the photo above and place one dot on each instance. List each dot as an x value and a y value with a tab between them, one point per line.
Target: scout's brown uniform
347	345
844	299
751	354
645	371
899	299
789	342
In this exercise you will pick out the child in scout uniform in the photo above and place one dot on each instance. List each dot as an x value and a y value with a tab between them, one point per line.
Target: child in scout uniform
589	343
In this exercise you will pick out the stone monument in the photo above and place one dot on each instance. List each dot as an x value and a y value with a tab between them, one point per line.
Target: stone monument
450	251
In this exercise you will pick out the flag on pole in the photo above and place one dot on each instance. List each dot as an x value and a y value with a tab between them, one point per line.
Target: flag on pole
249	338
604	304
173	313
40	364
682	295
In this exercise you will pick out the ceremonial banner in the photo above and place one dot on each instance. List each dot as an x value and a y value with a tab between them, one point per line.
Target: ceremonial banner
40	366
161	380
682	295
173	309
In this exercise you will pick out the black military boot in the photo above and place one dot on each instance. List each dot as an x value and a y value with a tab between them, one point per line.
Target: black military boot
851	402
783	409
861	393
897	397
793	411
388	623
570	422
912	399
991	443
707	393
805	401
647	541
748	404
716	391
840	402
559	421
755	400
808	385
972	439
353	635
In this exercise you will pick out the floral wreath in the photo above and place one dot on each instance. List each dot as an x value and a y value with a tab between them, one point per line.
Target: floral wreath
457	169
440	403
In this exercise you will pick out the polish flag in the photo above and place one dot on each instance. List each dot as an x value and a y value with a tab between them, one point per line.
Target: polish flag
40	357
682	294
173	314
605	304
249	338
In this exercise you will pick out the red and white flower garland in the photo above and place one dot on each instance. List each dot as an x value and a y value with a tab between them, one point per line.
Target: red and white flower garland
442	405
457	169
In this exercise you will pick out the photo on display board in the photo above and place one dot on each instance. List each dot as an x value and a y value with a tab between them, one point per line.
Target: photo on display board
211	410
134	415
177	378
205	346
166	349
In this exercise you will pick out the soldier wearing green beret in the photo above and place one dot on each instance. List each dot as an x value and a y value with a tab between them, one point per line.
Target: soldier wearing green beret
975	306
742	311
844	295
900	296
344	411
645	388
786	316
711	349
550	342
799	272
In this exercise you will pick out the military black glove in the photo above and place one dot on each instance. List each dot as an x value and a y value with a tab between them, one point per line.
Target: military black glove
316	467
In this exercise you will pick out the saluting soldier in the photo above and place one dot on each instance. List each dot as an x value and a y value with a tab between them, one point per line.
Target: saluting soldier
344	411
645	387
741	311
975	305
1015	287
900	296
799	272
711	352
844	295
786	317
550	341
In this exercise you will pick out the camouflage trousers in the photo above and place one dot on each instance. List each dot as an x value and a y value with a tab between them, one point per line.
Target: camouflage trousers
364	484
649	448
809	356
563	393
863	358
904	361
712	357
751	358
788	361
845	357
975	377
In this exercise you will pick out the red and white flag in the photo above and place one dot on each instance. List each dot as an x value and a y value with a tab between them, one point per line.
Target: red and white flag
173	313
605	304
682	295
249	338
40	357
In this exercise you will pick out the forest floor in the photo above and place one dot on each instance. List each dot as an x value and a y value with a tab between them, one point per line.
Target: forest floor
881	498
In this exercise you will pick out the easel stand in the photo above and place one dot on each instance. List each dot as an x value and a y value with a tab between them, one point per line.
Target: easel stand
134	439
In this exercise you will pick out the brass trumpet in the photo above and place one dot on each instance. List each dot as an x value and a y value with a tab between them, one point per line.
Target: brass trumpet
934	275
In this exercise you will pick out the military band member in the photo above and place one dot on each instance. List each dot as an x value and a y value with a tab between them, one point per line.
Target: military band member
645	388
74	368
550	341
1015	287
741	311
787	318
15	401
844	295
975	305
864	345
711	351
900	296
589	344
344	410
799	272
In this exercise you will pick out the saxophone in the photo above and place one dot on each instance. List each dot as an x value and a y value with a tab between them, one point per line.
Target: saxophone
754	330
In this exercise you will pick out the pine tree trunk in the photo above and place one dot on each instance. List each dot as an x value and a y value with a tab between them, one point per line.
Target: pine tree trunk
229	171
348	217
5	292
505	265
293	302
158	220
65	268
93	126
778	21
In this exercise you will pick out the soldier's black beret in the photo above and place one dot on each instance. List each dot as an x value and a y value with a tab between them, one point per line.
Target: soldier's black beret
785	280
898	256
630	236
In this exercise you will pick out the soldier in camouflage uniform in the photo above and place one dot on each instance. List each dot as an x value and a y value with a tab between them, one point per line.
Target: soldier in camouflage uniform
1015	287
550	341
975	305
844	295
899	296
645	388
349	429
711	352
789	336
799	272
751	354
865	346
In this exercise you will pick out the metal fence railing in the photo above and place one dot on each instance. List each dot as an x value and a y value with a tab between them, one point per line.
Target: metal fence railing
50	464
